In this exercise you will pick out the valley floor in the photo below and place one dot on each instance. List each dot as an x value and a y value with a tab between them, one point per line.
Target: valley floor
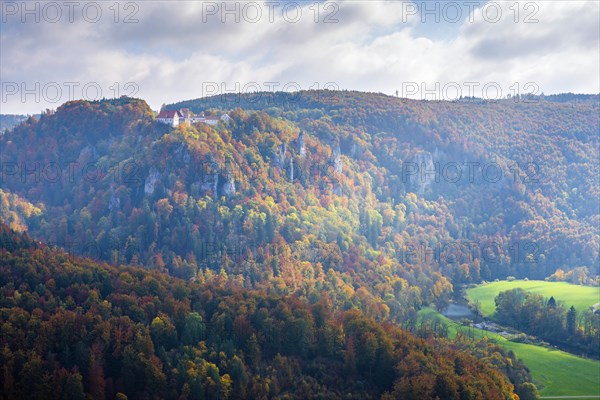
556	373
582	297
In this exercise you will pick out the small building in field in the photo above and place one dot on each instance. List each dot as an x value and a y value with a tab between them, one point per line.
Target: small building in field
169	117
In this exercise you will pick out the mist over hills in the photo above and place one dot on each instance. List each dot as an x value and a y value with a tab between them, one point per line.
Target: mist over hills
9	121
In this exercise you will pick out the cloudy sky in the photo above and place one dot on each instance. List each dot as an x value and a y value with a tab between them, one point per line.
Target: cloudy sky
166	51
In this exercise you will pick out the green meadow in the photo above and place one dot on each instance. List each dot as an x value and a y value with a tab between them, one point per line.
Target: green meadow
555	372
582	297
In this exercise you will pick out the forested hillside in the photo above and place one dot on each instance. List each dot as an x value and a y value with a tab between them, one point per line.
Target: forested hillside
75	329
519	172
384	204
276	255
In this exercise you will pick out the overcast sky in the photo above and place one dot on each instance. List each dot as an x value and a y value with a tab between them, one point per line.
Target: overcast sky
167	51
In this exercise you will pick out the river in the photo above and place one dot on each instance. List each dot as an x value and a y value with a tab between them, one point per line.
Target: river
457	311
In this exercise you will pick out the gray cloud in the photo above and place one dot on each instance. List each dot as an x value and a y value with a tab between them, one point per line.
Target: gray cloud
171	53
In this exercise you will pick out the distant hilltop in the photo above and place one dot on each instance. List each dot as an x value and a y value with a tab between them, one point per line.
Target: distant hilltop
9	121
332	98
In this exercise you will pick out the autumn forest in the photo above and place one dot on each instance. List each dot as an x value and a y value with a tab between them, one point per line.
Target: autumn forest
284	253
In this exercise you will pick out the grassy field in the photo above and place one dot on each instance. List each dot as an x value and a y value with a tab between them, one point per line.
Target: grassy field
555	372
581	297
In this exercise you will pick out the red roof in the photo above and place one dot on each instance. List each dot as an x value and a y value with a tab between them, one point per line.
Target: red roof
169	114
